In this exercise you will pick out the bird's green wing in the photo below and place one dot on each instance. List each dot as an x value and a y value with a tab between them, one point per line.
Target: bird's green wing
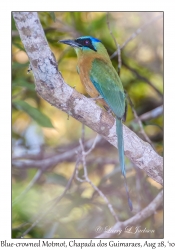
107	82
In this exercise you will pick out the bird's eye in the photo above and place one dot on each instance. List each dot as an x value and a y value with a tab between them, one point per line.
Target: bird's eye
87	42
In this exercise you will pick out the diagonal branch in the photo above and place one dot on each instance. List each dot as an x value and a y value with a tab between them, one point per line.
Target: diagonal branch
143	79
46	163
137	32
139	122
136	219
116	44
86	179
51	87
152	114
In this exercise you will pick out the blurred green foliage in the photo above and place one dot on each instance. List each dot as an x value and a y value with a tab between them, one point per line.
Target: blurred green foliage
40	131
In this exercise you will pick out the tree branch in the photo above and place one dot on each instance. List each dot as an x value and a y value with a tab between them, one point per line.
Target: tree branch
137	32
152	114
137	118
139	76
51	87
45	163
86	179
116	44
136	219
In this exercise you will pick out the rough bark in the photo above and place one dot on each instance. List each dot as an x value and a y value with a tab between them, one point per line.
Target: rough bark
51	86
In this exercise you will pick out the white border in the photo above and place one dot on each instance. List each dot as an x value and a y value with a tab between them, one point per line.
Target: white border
5	96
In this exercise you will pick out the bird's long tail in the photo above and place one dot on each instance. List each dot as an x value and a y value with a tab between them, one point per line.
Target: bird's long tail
119	130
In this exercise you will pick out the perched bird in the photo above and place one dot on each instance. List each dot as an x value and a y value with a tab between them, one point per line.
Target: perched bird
101	80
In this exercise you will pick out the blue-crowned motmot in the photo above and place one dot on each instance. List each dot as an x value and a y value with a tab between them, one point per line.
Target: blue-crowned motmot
100	78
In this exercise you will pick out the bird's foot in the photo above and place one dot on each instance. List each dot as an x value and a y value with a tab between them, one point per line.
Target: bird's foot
109	110
29	69
97	98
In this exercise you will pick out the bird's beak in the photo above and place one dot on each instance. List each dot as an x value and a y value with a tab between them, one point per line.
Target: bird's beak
71	43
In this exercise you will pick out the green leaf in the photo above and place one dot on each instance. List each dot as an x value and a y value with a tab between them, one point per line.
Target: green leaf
18	45
17	66
34	113
52	14
13	24
23	83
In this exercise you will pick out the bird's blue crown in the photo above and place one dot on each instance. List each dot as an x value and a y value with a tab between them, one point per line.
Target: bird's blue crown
93	39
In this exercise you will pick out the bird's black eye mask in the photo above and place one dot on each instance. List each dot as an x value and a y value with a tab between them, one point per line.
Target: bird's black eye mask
85	43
